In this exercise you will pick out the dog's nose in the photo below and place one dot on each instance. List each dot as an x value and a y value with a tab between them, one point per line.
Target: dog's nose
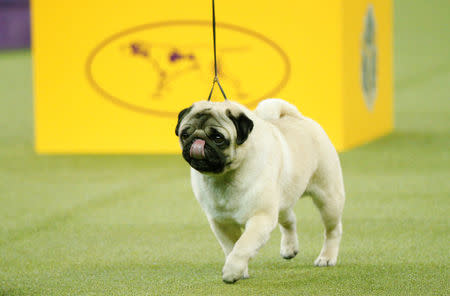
197	150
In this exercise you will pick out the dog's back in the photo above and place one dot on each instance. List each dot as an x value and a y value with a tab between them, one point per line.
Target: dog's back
304	137
298	130
272	109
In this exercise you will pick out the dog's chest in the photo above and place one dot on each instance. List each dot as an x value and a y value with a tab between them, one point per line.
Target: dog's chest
224	205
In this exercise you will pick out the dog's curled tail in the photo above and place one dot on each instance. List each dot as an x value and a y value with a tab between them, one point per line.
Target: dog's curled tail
271	109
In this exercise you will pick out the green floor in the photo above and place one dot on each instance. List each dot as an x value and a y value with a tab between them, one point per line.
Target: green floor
129	225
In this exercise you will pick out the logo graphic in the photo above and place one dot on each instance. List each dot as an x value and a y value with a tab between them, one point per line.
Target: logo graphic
161	68
369	59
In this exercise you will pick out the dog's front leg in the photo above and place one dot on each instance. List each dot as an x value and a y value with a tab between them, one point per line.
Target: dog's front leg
227	234
256	233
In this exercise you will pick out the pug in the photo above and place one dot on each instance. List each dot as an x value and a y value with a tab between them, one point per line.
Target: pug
248	169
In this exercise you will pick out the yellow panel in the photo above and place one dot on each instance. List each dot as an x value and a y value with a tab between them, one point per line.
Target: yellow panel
367	71
112	78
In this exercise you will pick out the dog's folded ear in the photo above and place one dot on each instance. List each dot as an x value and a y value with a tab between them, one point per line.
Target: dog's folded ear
243	124
181	115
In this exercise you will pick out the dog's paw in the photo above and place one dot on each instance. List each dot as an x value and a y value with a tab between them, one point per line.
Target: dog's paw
230	276
246	275
322	261
289	248
288	253
234	270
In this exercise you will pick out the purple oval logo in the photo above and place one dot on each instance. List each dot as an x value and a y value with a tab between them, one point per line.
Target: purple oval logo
160	68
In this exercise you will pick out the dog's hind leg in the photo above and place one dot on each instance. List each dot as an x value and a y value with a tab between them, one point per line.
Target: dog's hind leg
330	206
288	228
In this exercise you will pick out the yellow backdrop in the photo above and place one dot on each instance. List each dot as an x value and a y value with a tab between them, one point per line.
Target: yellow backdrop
111	77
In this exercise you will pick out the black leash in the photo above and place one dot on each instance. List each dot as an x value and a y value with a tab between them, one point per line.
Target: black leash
216	78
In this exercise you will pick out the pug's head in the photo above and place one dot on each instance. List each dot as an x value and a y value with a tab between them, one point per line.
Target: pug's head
213	135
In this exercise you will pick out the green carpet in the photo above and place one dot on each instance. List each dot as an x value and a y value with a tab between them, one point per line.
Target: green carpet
129	225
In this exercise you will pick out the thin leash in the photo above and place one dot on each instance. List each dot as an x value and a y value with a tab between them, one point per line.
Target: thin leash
216	78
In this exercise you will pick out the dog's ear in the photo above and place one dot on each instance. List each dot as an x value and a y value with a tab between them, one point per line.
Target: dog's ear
181	115
243	124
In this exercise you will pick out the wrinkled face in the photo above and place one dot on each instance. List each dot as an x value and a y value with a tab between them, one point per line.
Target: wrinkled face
209	136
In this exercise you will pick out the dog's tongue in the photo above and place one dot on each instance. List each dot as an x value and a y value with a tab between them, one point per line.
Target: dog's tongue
198	149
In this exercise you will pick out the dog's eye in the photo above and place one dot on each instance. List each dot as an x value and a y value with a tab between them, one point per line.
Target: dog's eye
184	135
218	139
